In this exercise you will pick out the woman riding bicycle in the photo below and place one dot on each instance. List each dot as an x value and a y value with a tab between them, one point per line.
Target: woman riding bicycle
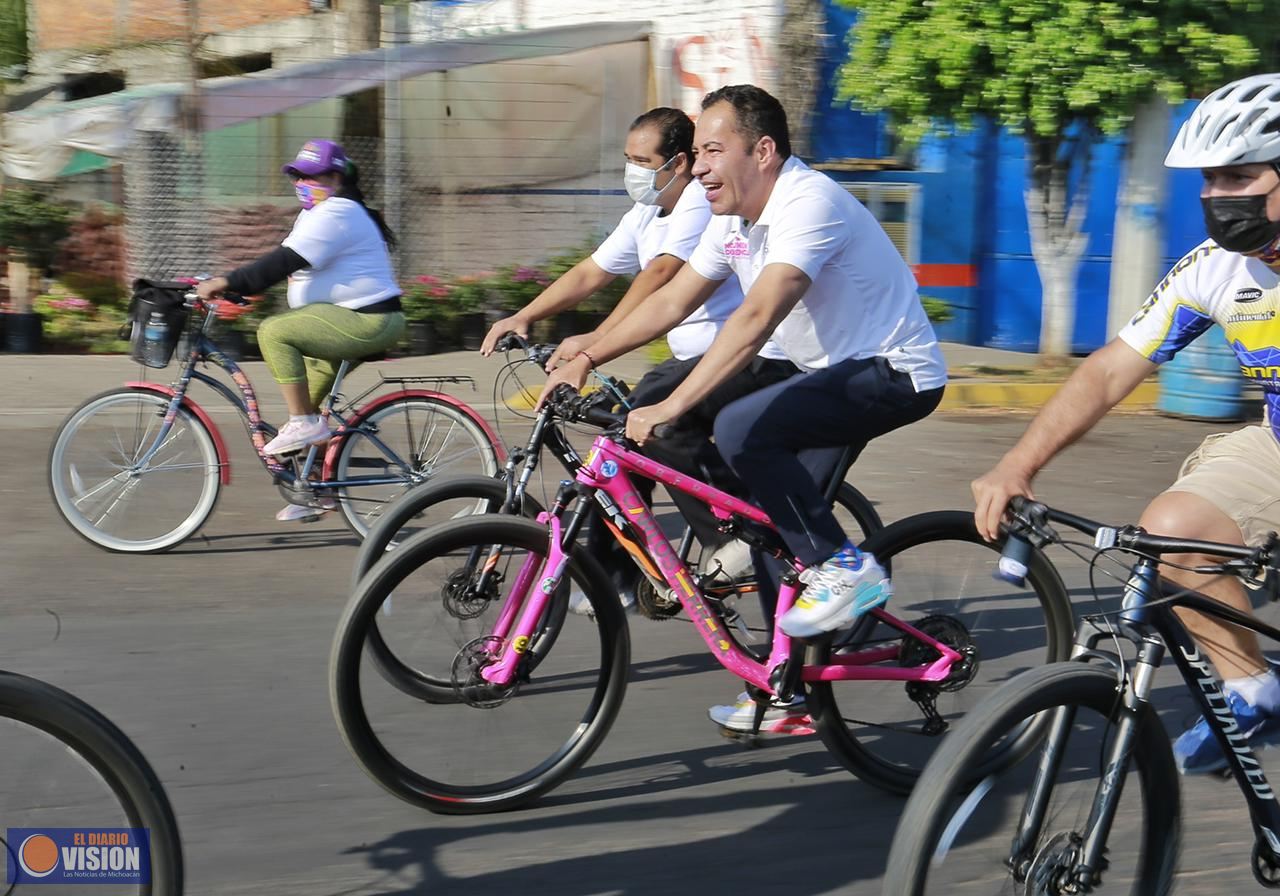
343	297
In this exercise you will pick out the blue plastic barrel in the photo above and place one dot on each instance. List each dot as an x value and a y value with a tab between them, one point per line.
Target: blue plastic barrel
1203	381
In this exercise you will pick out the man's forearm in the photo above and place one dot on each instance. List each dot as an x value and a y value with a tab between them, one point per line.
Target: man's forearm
737	343
644	285
567	292
1094	388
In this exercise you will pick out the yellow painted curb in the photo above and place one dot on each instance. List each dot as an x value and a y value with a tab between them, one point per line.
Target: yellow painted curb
527	399
1027	396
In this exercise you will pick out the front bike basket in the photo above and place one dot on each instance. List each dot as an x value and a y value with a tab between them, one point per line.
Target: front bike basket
157	316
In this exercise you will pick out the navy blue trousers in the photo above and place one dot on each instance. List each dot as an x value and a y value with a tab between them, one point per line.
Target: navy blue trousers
785	440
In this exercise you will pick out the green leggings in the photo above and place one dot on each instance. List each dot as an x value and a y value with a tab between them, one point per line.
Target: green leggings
306	345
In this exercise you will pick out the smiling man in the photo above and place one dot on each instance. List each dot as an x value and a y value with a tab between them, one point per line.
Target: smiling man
1228	490
820	277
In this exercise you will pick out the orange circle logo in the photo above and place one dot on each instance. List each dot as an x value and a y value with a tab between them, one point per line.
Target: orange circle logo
38	855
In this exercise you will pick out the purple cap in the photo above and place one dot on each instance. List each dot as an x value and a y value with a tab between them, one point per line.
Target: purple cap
318	157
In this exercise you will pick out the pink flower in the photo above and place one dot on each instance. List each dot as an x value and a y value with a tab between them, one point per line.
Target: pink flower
439	291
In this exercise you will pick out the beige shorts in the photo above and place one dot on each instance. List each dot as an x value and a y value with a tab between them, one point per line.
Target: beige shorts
1239	473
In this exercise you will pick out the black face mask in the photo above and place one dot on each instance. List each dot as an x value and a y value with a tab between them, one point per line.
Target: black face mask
1239	223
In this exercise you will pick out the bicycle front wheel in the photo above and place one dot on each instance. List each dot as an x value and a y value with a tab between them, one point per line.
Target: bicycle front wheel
885	731
434	502
67	766
460	744
421	438
105	491
959	838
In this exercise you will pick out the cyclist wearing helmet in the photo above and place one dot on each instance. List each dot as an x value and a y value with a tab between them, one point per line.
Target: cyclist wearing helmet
1228	490
343	298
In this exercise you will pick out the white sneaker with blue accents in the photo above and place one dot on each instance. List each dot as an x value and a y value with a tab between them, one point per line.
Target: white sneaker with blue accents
836	594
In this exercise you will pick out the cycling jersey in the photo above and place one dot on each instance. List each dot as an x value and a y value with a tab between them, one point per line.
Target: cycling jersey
1211	285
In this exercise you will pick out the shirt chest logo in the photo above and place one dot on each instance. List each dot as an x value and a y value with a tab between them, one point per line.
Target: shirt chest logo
736	247
1249	294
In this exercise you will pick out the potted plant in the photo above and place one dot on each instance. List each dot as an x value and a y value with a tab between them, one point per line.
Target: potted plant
427	312
30	227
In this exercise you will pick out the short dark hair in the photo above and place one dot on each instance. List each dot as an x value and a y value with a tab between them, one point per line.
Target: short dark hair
758	114
675	130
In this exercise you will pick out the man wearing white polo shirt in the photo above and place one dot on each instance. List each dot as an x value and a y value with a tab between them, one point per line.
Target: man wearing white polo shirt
652	241
820	276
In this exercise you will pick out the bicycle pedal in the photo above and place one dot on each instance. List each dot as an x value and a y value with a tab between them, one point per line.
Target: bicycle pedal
748	740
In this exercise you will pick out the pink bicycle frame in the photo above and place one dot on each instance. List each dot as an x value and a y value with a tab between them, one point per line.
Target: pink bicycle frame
607	467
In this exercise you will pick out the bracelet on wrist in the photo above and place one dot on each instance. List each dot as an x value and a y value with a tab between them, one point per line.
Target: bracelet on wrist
590	360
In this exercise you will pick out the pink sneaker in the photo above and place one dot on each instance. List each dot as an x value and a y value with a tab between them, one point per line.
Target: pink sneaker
298	434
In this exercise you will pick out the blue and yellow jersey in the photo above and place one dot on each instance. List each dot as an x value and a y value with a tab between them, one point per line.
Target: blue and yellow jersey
1211	285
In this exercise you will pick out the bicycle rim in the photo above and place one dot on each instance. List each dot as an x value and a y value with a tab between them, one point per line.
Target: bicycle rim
108	497
434	438
67	767
885	731
959	840
457	745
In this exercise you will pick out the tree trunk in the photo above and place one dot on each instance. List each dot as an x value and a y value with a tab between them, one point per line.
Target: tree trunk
361	112
1137	249
19	282
799	57
1054	219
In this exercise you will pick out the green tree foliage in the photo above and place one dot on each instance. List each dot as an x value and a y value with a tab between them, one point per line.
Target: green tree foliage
1056	71
1038	66
32	224
13	33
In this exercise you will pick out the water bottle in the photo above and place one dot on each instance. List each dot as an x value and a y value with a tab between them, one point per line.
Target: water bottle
1012	567
155	336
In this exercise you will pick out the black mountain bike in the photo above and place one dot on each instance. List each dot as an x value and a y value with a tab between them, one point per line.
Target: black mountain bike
1094	808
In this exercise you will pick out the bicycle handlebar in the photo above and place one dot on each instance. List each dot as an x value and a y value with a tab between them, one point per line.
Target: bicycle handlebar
1032	517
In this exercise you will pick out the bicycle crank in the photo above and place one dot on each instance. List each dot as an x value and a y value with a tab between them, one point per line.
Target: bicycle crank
468	684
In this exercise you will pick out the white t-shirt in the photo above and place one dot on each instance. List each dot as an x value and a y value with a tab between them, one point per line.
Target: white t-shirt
347	257
643	234
862	301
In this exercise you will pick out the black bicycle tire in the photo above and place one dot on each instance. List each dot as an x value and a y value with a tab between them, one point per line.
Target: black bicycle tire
419	498
473	423
191	419
398	674
913	531
100	743
953	767
352	635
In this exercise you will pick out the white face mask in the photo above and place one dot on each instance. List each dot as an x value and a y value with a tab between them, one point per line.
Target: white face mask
639	182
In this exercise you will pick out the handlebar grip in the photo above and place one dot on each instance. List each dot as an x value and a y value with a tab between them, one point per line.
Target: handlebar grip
511	340
663	431
598	415
234	298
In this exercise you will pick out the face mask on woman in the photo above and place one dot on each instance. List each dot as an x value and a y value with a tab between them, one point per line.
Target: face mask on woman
640	181
311	194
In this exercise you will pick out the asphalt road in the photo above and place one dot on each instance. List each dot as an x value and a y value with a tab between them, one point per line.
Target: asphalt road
214	659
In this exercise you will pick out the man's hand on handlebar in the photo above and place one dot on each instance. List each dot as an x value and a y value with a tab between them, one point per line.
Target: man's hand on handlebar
513	324
572	374
642	422
991	494
570	348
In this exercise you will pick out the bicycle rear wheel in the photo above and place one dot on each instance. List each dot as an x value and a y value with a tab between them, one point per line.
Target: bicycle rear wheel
103	492
67	766
432	437
463	746
885	731
956	838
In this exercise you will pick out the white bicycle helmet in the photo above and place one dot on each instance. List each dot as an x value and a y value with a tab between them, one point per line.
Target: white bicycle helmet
1235	125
